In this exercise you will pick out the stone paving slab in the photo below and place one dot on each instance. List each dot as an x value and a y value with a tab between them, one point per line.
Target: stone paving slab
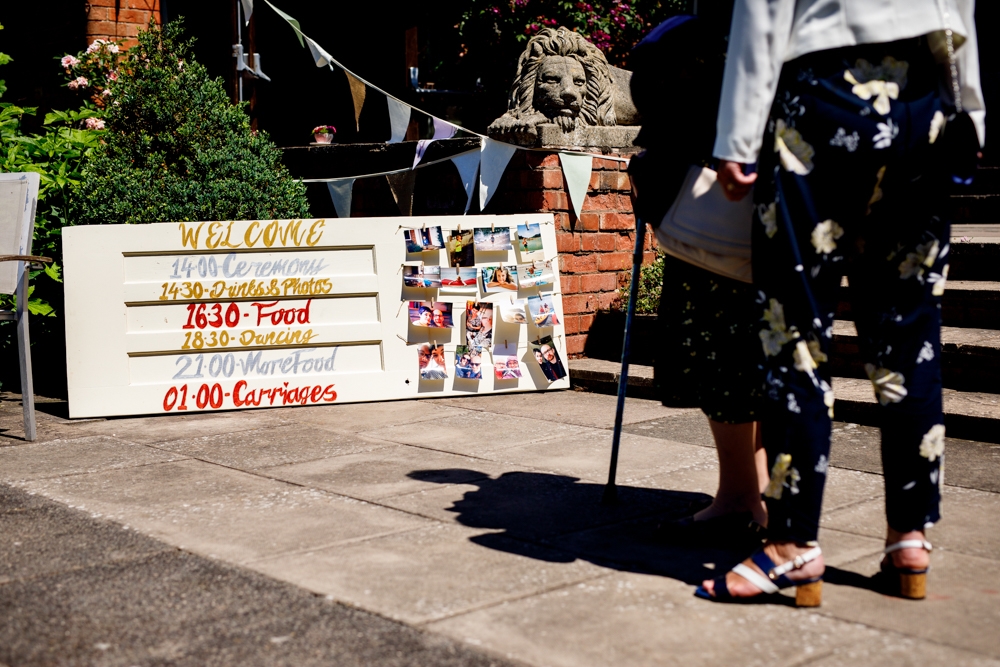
58	458
361	417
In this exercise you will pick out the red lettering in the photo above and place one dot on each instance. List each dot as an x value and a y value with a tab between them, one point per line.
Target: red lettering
237	401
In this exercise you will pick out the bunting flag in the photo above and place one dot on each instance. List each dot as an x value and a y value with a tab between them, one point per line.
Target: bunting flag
292	22
247	10
399	119
321	57
401	184
358	92
467	165
442	130
342	192
576	170
493	160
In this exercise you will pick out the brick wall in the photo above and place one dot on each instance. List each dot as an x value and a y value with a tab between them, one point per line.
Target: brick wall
596	250
104	22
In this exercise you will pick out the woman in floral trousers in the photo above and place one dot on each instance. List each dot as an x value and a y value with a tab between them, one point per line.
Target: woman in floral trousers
852	182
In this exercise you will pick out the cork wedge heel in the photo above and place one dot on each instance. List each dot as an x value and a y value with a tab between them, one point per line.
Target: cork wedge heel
808	592
905	582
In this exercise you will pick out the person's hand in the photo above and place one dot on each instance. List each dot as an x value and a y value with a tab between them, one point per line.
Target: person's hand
735	184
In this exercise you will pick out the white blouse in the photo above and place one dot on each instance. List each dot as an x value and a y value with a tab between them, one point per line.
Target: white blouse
767	33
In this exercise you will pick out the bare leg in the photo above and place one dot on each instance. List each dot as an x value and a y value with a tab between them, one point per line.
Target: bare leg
740	478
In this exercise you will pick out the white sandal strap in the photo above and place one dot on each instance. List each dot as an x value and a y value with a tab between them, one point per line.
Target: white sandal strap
908	544
755	578
795	563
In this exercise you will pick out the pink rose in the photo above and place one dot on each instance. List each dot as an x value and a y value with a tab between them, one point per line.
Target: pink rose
95	45
69	61
78	82
112	75
94	123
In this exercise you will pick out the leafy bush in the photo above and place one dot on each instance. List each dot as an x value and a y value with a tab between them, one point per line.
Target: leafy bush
177	149
650	284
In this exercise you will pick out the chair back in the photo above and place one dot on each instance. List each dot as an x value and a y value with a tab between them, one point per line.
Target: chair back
18	199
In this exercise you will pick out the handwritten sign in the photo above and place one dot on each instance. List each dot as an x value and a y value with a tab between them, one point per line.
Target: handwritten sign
185	317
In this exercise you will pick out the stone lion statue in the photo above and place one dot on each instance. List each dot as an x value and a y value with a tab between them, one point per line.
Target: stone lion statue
564	79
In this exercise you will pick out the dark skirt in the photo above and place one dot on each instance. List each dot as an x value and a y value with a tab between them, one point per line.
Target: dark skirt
711	355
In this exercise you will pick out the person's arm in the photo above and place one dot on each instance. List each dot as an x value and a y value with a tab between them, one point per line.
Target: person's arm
757	43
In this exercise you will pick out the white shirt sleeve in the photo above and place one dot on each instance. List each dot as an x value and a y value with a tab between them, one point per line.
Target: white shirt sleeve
968	70
758	41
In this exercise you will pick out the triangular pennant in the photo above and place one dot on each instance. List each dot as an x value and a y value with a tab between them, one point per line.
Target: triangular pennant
247	10
443	129
422	145
342	192
358	92
399	119
467	165
494	159
401	184
291	21
320	57
576	170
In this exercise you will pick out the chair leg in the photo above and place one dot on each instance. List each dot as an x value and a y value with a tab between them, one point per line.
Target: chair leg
24	350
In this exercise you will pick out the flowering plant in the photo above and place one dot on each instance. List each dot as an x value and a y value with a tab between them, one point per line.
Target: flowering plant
324	129
92	71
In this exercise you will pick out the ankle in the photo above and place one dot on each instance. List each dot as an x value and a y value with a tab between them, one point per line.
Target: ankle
916	557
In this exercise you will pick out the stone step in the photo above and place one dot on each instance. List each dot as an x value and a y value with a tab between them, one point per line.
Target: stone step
970	357
975	208
968	415
966	303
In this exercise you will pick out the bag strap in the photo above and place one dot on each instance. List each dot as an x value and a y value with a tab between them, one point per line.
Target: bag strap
949	38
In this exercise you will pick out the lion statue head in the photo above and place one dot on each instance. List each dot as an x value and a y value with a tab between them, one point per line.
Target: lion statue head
563	79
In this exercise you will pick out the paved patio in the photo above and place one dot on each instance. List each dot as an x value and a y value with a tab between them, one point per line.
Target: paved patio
474	524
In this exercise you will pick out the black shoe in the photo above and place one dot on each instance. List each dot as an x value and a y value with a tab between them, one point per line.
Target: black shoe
735	530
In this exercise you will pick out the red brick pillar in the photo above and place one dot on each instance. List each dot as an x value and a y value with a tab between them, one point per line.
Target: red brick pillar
596	250
103	22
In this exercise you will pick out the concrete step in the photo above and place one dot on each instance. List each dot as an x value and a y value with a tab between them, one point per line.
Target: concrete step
966	303
975	252
970	357
968	415
975	208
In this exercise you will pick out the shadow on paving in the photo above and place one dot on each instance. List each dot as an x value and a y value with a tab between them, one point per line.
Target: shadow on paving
81	591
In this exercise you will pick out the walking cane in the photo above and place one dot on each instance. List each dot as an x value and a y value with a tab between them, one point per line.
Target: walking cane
610	490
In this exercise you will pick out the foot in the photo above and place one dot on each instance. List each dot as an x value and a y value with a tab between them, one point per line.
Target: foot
779	552
722	508
913	559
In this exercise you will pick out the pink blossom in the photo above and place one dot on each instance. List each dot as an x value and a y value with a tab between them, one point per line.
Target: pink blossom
95	45
106	93
69	61
94	123
112	75
78	82
112	48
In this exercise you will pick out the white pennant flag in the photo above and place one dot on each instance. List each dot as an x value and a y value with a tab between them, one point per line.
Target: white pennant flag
342	192
321	57
399	119
442	130
494	159
467	165
291	21
247	10
576	170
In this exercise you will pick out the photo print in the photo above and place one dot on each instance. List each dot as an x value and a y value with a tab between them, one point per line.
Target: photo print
537	273
513	312
499	279
459	279
543	311
468	363
431	315
506	365
547	357
461	251
414	240
529	241
479	324
432	238
422	276
430	358
488	239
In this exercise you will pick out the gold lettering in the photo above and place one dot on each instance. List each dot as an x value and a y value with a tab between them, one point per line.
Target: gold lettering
190	235
212	241
271	234
246	237
225	242
290	230
315	230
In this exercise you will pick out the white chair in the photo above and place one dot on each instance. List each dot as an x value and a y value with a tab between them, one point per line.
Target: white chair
18	198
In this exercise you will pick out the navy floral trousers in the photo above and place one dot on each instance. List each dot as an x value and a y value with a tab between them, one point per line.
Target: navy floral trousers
850	185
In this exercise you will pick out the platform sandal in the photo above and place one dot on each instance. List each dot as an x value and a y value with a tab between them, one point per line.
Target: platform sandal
808	592
906	582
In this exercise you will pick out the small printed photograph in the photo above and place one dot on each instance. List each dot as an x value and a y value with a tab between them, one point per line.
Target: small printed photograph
543	311
513	312
422	276
499	279
432	238
538	273
458	279
414	240
479	324
461	251
492	240
547	357
468	362
427	314
430	357
529	241
506	367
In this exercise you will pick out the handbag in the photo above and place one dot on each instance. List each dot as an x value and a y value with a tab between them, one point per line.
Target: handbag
707	230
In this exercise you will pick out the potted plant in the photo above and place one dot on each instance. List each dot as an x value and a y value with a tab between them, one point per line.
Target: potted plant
324	134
